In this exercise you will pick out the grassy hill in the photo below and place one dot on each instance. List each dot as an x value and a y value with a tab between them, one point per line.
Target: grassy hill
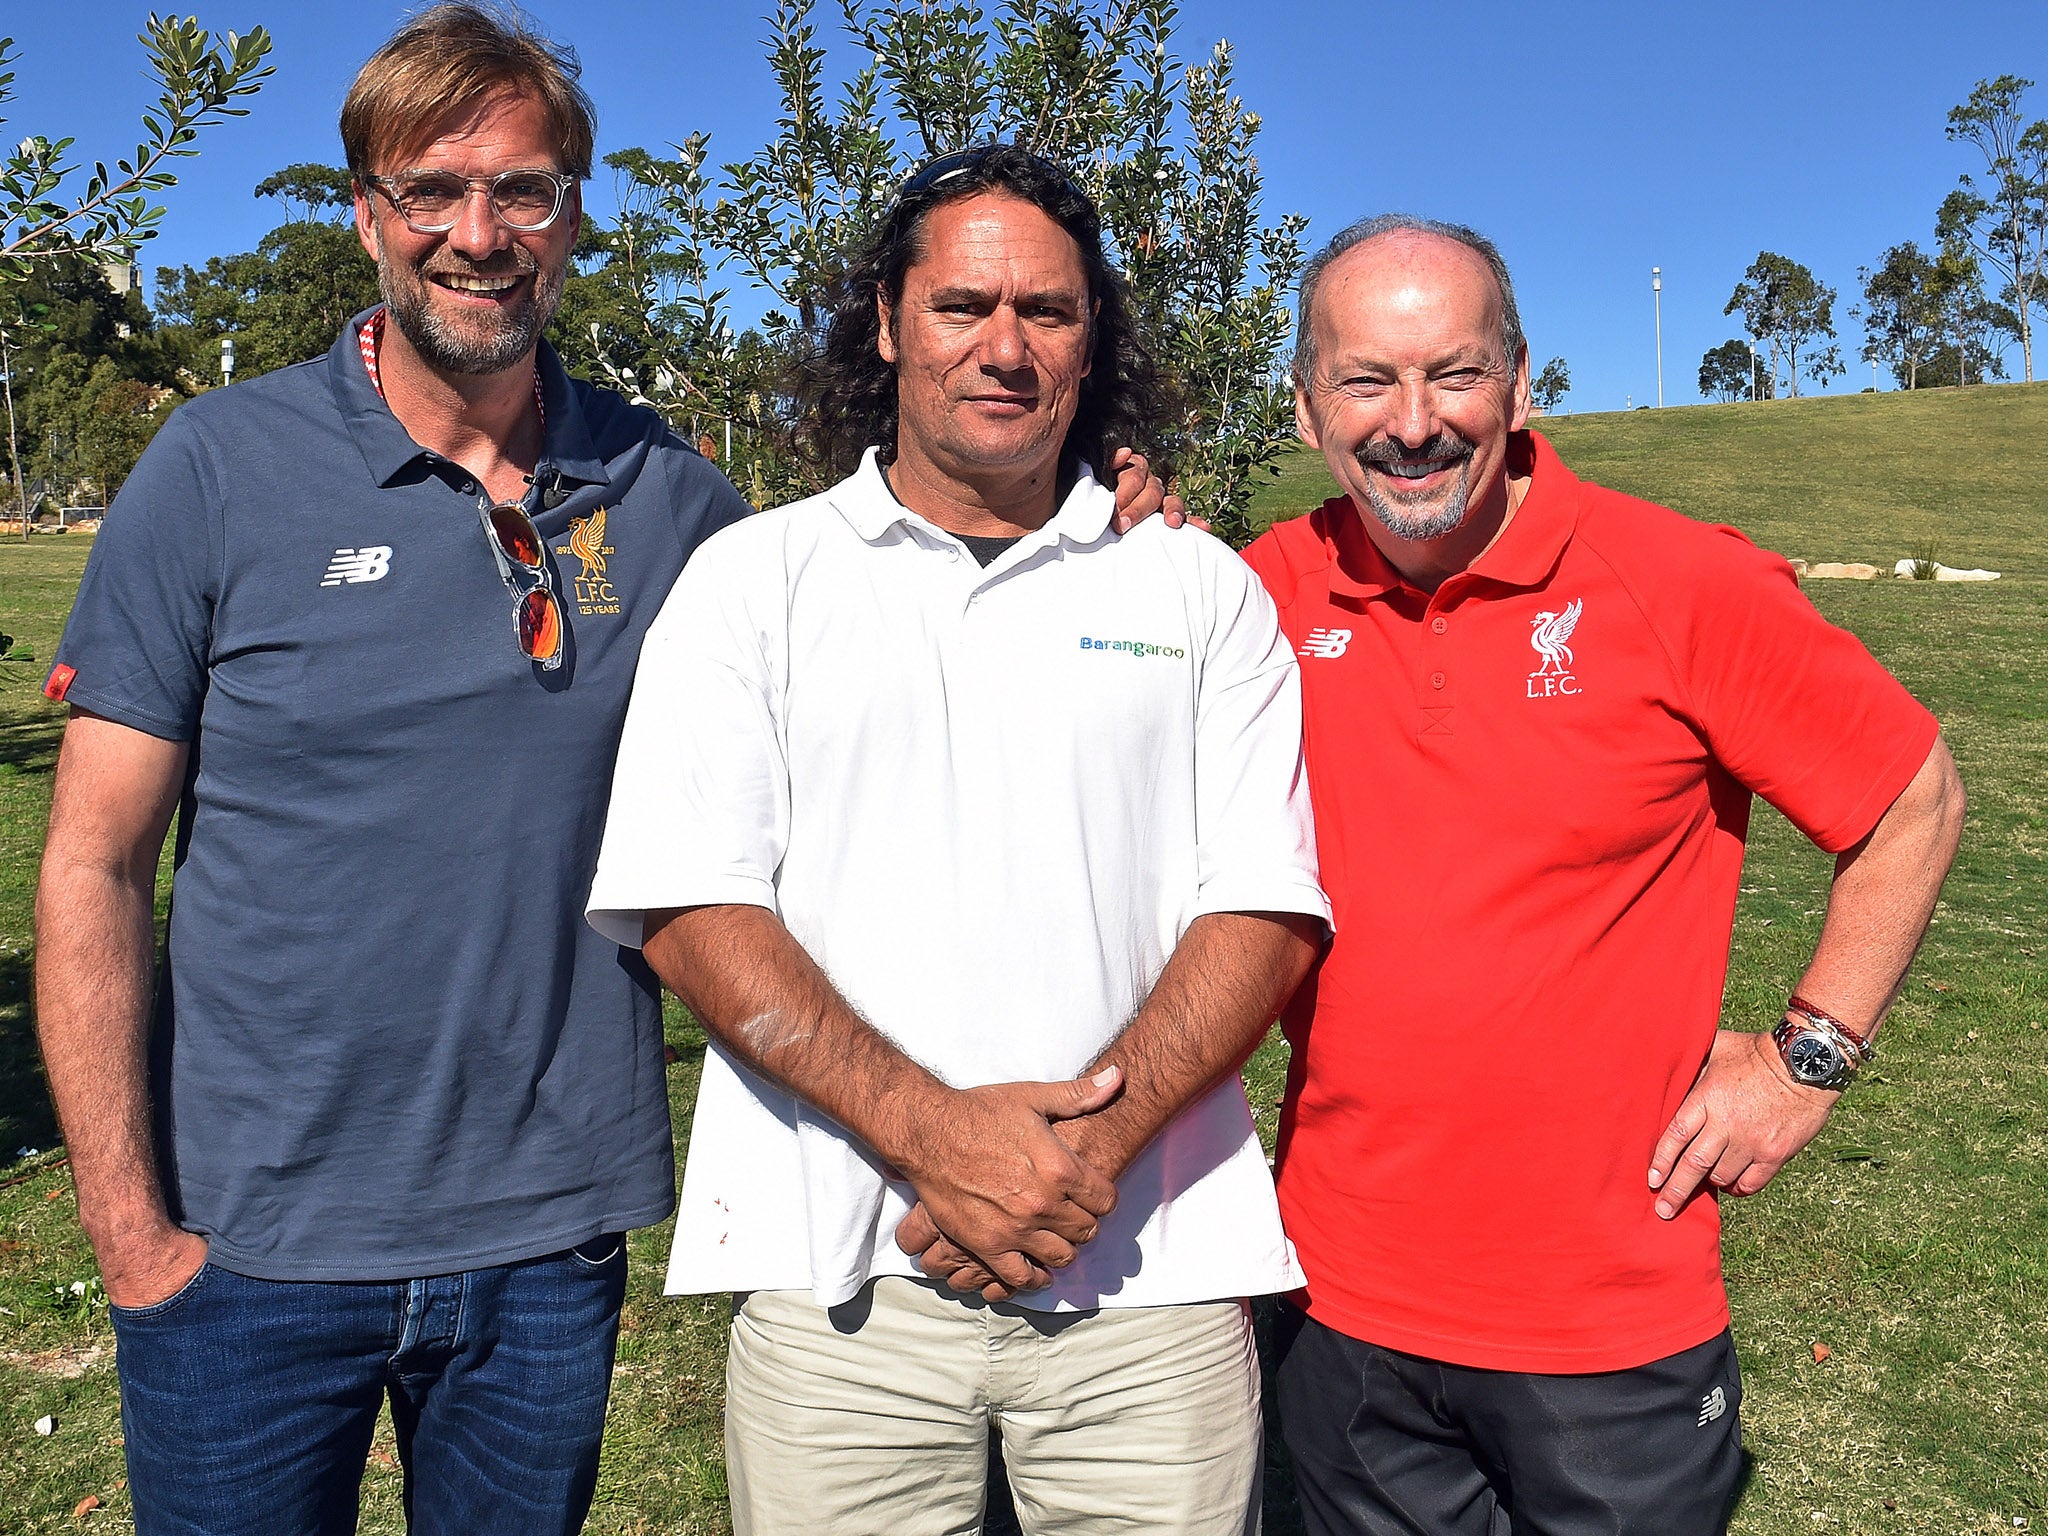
1839	477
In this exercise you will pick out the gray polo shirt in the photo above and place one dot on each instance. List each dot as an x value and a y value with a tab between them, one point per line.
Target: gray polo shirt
386	1043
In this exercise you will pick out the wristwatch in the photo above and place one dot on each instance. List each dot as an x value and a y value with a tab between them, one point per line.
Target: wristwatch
1820	1051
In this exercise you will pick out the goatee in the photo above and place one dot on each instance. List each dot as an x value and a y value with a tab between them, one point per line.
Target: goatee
1392	507
451	347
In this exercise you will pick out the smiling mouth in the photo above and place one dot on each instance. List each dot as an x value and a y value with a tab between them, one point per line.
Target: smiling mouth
1413	469
491	287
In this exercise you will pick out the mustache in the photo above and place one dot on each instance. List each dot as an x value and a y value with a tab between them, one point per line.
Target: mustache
517	263
1444	445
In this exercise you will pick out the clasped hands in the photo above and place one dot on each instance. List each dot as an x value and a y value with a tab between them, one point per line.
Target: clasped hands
1006	1190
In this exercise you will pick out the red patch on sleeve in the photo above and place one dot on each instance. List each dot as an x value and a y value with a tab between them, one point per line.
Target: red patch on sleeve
59	683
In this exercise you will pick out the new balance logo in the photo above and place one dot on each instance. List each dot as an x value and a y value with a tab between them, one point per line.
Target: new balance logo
1325	644
370	563
1713	1405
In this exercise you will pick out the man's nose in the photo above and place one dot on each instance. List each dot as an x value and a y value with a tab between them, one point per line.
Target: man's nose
1002	340
478	231
1413	418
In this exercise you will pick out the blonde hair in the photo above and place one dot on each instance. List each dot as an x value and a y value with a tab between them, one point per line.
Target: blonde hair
451	57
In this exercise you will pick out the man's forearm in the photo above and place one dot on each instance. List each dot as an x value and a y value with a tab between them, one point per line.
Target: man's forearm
1222	987
1883	897
94	950
113	799
763	998
985	1161
1746	1116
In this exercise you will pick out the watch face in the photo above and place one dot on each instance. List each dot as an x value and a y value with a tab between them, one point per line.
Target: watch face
1813	1058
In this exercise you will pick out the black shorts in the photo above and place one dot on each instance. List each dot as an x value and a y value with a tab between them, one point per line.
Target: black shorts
1389	1444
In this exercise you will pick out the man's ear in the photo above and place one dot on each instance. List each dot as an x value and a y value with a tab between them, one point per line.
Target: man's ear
1305	420
366	222
885	339
1519	414
1094	319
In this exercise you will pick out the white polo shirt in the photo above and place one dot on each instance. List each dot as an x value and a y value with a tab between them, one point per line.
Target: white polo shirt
987	803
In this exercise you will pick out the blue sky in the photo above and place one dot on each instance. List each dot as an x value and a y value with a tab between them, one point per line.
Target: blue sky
1591	140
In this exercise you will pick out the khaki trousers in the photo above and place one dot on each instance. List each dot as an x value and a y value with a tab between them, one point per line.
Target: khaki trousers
872	1418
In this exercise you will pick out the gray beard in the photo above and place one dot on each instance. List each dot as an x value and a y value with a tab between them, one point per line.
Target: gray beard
443	348
1389	509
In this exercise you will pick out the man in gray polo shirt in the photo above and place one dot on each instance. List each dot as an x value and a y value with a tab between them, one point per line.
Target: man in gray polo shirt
393	1105
368	624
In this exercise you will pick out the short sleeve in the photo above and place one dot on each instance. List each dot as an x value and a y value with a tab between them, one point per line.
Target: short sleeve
1255	831
1793	707
699	812
1263	556
1267	555
139	635
703	501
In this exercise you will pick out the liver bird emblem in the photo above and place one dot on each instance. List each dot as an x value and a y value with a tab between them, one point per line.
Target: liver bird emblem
586	543
1552	631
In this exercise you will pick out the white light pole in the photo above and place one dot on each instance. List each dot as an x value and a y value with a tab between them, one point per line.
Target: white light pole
227	360
1657	303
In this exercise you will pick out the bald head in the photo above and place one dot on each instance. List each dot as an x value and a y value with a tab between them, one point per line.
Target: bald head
1410	228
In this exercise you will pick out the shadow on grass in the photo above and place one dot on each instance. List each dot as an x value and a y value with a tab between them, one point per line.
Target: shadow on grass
30	746
1742	1482
26	1118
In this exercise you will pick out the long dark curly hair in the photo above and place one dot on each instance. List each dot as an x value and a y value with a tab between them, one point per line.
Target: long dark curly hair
846	393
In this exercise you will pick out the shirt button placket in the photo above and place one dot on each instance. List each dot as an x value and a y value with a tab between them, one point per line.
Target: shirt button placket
1436	693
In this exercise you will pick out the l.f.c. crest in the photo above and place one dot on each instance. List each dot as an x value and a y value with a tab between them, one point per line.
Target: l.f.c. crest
1550	636
594	594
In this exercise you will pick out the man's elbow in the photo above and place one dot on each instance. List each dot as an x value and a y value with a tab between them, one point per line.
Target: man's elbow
1945	802
1298	940
1924	826
80	878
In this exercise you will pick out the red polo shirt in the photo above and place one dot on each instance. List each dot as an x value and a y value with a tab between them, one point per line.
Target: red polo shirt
1531	791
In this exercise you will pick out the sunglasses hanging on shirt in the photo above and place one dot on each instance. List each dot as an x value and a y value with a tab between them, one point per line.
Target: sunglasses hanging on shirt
522	562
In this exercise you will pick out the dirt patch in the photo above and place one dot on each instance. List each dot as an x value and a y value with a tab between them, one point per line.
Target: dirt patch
67	1362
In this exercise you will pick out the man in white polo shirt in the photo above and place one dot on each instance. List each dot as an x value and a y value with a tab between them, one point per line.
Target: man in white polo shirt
977	837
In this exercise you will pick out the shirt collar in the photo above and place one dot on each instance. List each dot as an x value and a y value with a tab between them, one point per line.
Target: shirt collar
871	508
1528	549
1524	555
388	449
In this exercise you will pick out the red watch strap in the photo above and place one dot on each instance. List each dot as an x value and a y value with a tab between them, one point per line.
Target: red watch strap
1797	1004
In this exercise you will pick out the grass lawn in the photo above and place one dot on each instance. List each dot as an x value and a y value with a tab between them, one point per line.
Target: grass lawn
1911	1240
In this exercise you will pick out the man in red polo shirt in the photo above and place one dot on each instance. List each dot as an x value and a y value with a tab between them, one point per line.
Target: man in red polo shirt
1536	712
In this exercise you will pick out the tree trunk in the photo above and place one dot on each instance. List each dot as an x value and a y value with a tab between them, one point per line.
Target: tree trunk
13	443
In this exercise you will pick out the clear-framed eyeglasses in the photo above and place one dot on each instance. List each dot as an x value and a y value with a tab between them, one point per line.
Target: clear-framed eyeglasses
431	202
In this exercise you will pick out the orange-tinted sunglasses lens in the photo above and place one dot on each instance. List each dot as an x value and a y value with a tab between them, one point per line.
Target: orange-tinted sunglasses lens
516	536
540	624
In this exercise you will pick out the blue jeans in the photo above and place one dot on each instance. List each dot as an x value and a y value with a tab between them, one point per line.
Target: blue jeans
248	1405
